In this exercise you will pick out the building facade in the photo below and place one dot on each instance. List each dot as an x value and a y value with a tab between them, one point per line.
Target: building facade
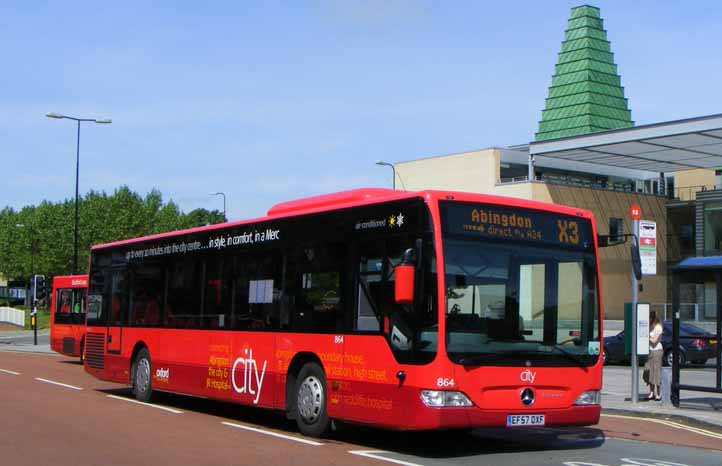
588	153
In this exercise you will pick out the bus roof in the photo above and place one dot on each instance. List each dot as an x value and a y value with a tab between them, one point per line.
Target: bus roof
356	198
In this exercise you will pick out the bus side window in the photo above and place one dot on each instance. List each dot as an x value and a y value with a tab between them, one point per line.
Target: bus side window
317	280
368	316
257	291
184	293
118	293
147	284
216	297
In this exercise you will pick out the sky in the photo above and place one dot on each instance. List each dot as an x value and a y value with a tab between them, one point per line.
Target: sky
276	100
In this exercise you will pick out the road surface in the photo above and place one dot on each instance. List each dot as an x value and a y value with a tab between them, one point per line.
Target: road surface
52	411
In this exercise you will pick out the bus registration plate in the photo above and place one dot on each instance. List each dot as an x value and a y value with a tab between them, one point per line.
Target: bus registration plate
520	420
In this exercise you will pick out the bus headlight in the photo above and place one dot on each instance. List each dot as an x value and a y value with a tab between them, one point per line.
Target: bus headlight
444	399
590	397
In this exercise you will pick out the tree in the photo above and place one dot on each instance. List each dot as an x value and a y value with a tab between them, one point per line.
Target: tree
46	235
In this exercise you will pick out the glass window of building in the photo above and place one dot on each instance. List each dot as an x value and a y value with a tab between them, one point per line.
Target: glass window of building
712	228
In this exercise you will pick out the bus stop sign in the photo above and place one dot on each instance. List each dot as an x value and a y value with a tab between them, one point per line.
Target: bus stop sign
635	212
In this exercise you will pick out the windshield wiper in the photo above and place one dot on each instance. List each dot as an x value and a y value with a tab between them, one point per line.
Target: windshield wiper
578	358
479	358
476	359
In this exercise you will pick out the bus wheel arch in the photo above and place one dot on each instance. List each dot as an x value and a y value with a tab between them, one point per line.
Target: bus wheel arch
306	385
140	373
294	368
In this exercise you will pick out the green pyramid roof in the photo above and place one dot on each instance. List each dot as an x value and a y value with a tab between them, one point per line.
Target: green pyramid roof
586	94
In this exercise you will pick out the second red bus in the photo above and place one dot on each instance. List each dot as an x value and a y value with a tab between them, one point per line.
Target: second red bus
67	314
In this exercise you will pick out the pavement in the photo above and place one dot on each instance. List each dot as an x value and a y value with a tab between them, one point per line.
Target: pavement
22	341
697	408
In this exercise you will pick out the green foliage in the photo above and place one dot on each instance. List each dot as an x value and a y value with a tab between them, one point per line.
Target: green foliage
41	236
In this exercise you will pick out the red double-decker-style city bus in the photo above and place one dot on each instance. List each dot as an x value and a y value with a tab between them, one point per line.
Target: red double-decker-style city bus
406	310
67	314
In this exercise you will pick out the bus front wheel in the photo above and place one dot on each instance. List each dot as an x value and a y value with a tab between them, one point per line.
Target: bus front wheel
142	387
311	415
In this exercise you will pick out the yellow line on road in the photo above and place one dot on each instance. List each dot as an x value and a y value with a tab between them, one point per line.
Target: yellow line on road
675	425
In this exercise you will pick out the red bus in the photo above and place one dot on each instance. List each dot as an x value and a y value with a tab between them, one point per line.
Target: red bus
67	316
405	310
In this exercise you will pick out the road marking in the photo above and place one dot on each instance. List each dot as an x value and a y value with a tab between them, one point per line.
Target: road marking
672	424
375	455
150	405
9	372
58	383
274	434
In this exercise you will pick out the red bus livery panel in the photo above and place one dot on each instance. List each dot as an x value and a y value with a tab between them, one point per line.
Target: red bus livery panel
495	319
67	314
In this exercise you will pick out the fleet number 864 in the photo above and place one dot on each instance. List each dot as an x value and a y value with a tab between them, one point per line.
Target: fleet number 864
444	382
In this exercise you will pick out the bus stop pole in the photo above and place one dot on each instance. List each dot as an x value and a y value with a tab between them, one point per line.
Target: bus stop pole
635	299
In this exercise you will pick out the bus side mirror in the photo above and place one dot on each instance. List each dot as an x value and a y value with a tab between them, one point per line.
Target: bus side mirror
404	286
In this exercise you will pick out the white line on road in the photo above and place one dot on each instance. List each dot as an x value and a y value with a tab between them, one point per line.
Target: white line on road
375	454
274	434
9	372
150	405
58	383
675	425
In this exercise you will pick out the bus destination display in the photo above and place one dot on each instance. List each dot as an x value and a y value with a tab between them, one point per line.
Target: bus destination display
498	222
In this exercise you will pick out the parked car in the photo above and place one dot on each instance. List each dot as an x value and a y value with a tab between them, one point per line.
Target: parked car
696	346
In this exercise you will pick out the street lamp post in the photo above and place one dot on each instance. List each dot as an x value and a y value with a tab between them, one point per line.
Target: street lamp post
102	121
224	203
393	170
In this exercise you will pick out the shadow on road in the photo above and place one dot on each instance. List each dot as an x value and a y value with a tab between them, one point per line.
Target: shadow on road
429	444
72	362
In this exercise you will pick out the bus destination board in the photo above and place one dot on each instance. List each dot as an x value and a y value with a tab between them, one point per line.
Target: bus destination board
498	222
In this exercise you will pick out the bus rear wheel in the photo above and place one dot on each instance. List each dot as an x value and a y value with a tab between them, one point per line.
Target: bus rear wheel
311	415
141	380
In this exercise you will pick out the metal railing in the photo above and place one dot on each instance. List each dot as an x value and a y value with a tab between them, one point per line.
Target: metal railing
689	193
12	316
571	181
689	312
677	362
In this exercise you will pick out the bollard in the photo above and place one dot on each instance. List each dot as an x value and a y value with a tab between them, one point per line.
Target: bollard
665	388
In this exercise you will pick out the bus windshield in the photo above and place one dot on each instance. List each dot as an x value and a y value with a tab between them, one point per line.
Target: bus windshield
521	293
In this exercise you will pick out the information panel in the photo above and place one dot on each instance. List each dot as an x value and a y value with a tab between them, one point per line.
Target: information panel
648	246
642	329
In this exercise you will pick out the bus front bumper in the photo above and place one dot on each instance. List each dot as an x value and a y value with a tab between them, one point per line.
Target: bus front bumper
472	417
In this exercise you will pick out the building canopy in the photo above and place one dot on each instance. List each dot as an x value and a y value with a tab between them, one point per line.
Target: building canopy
661	147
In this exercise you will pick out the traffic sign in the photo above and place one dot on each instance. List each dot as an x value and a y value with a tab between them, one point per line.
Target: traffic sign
635	212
